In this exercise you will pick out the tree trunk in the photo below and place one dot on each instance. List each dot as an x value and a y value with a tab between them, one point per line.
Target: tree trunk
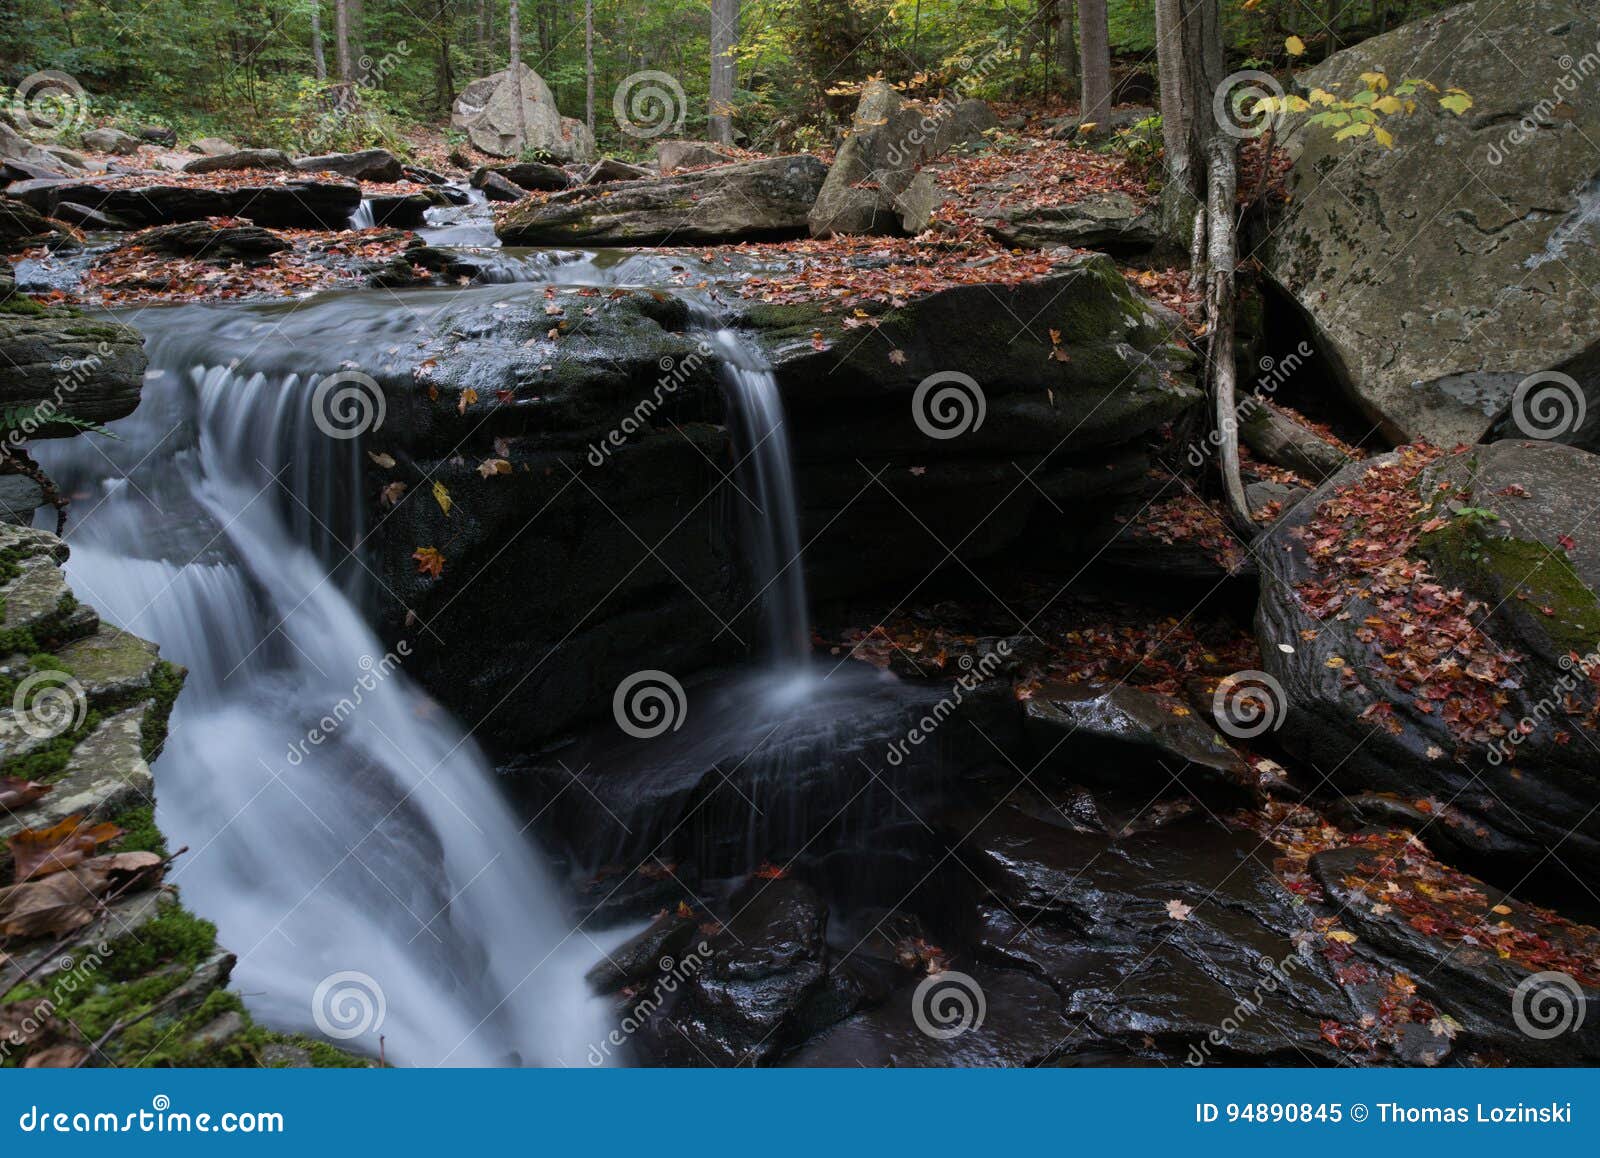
1067	45
485	34
588	64
319	63
1221	258
1190	68
341	39
447	80
356	22
1095	38
515	65
724	35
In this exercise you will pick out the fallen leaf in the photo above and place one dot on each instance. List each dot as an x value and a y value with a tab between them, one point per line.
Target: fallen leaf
442	497
1178	911
429	561
38	852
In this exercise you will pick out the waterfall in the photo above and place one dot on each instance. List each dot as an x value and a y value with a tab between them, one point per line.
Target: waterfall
772	527
363	217
344	834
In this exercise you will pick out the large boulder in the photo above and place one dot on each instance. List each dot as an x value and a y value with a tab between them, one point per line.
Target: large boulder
874	185
1440	273
286	204
533	176
19	154
751	201
674	155
56	364
1432	622
486	111
366	165
109	140
630	395
242	159
1112	222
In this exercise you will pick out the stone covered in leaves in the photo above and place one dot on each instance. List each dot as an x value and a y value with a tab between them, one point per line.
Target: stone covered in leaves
1439	623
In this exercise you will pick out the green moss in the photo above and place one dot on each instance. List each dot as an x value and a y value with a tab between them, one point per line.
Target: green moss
1469	552
19	304
142	835
166	681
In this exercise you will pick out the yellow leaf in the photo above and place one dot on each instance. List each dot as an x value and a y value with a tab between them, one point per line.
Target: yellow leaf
1321	96
1294	46
468	397
1384	137
442	497
1375	80
1387	105
1342	937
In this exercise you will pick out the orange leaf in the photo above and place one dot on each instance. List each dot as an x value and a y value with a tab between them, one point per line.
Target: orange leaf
38	852
429	561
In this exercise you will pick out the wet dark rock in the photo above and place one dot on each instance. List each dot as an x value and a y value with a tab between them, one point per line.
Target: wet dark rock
1138	738
1091	915
530	175
400	210
159	135
85	218
23	227
751	201
653	951
1023	1025
217	242
242	159
1507	801
294	204
1477	985
378	165
741	1007
497	187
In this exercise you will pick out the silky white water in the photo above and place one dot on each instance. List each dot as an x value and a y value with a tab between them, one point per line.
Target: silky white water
343	833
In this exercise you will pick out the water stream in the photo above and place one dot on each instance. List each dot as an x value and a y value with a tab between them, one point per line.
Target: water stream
339	822
346	837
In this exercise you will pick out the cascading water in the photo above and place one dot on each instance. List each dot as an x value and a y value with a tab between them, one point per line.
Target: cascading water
773	526
339	822
363	217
